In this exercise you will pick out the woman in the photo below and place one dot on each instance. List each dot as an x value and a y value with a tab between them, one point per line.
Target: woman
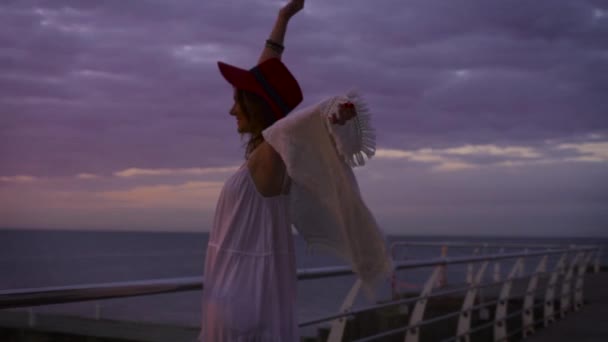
250	272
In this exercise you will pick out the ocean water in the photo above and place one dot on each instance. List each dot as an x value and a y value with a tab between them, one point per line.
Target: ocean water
41	258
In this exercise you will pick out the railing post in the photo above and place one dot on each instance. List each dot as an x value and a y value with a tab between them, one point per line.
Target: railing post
528	309
497	267
337	325
580	279
464	320
97	310
500	321
565	301
484	248
470	268
522	270
413	334
394	289
31	318
550	294
598	255
443	278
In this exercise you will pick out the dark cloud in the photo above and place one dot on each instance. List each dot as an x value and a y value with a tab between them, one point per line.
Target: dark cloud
102	86
436	73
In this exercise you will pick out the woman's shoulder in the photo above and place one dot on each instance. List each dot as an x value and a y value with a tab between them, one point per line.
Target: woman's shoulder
267	170
266	157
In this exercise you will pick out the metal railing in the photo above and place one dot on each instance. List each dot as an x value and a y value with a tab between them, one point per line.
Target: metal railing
570	268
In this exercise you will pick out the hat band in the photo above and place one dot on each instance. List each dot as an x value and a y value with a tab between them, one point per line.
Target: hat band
270	90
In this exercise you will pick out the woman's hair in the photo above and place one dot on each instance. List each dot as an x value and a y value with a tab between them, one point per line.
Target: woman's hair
259	116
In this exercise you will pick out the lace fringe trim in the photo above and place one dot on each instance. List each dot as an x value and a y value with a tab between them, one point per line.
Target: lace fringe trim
365	146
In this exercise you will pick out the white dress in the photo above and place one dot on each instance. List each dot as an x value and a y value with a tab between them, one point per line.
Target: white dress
250	271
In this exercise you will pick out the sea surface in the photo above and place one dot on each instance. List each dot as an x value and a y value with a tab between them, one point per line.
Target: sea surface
43	258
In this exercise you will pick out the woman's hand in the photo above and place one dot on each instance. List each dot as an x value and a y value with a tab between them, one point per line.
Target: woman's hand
277	34
346	112
291	8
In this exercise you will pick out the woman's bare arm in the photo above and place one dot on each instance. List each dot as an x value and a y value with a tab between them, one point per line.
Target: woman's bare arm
277	34
268	171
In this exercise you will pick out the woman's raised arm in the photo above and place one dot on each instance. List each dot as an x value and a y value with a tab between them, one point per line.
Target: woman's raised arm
273	47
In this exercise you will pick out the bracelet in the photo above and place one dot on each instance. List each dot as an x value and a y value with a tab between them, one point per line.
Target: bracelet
278	48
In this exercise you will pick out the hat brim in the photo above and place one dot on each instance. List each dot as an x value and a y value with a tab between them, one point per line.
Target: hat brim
244	80
239	78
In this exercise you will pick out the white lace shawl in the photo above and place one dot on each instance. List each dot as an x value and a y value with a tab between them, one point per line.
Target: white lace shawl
327	209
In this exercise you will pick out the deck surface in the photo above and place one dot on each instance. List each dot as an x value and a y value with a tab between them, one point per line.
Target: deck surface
590	324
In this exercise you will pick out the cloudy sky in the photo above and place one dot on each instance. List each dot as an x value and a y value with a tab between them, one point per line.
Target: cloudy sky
491	115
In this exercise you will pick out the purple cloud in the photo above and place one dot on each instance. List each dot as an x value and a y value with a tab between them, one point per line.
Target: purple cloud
100	87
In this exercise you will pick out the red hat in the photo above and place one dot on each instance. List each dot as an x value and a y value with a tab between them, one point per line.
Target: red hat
271	80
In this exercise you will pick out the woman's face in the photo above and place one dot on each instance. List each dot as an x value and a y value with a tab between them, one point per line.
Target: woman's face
241	119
